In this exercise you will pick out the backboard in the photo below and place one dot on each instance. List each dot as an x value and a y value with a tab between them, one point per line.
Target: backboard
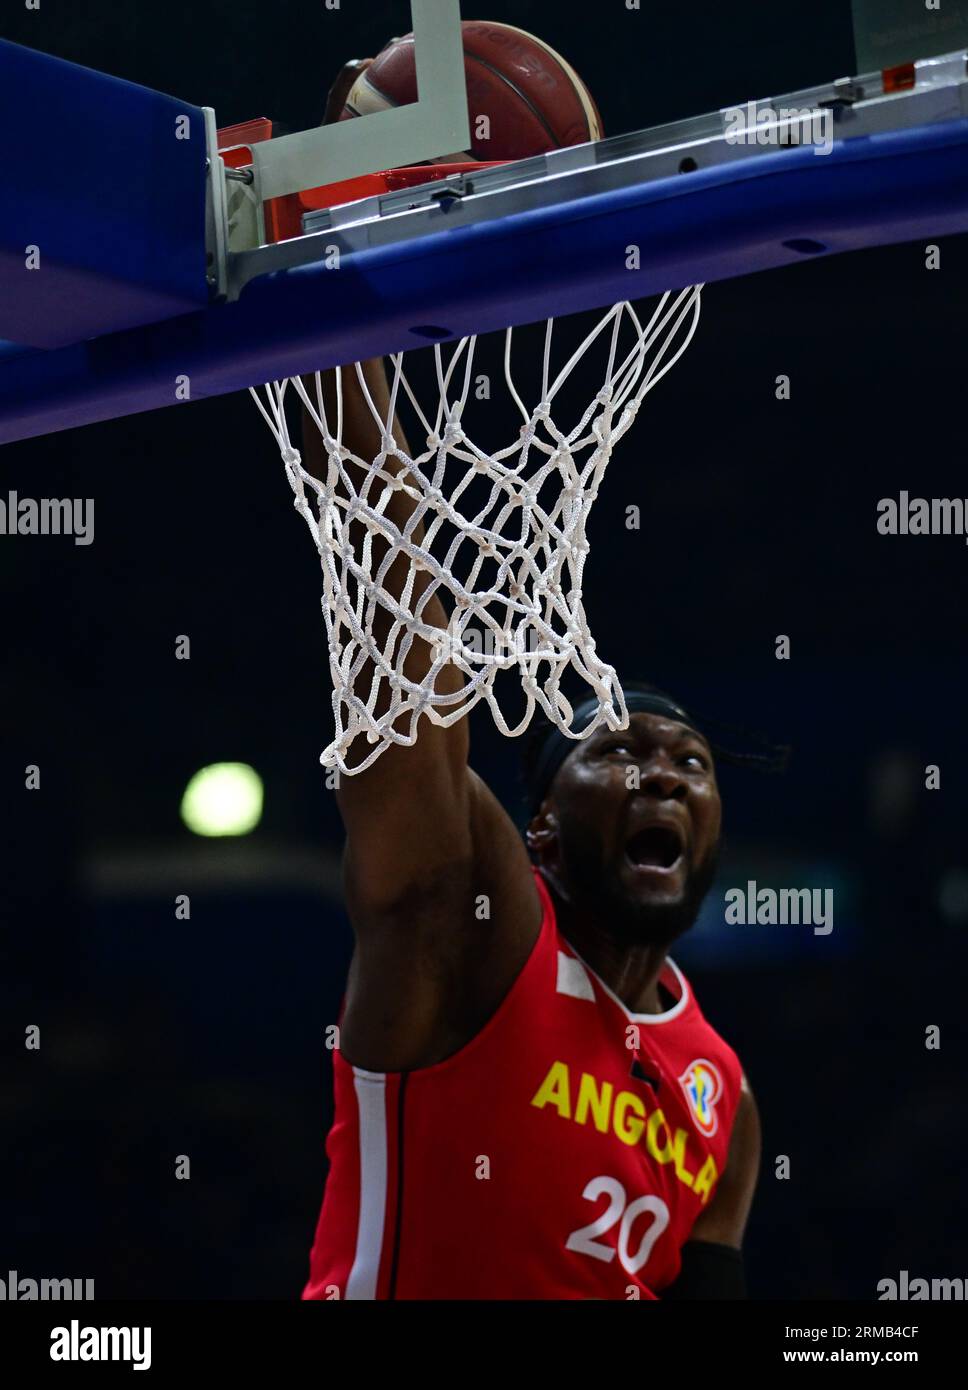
122	292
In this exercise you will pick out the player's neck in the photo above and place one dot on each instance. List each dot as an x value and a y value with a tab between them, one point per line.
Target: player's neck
630	969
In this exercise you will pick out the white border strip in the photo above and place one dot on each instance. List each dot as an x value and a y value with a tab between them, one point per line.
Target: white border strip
370	1090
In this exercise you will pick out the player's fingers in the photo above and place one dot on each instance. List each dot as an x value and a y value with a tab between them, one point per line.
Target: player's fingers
340	89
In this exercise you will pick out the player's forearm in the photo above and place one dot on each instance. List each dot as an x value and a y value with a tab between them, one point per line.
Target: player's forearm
379	807
362	434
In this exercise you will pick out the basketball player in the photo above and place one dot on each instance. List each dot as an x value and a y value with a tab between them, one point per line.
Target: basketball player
529	1102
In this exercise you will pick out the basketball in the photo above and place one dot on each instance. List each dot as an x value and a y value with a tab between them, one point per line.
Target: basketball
523	97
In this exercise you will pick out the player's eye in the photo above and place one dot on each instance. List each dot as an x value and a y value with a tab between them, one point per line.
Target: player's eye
616	746
695	760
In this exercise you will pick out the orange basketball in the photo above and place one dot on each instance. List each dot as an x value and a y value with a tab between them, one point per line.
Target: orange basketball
533	99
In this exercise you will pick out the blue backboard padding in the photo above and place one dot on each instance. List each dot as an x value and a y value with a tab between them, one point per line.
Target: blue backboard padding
711	225
12	349
92	174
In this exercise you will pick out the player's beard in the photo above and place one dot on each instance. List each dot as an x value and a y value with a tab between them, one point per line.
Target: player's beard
595	887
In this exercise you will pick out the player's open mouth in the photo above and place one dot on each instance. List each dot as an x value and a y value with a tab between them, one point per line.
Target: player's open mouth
658	847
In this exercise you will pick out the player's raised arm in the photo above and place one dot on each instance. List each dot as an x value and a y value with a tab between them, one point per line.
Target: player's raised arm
417	812
409	815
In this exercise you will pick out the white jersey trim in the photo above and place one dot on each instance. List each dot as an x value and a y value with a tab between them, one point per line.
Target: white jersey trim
666	1017
371	1109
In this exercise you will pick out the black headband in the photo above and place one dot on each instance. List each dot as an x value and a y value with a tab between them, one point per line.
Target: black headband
764	756
556	746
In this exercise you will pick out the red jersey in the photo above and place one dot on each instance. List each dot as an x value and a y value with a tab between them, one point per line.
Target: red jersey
564	1152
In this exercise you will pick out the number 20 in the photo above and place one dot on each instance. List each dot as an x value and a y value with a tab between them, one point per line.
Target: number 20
583	1240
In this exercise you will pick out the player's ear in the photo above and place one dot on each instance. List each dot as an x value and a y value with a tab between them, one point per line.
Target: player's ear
542	829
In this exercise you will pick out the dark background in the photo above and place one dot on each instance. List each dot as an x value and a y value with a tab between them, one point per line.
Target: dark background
206	1037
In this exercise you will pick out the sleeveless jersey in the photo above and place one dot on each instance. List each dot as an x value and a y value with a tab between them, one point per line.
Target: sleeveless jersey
565	1152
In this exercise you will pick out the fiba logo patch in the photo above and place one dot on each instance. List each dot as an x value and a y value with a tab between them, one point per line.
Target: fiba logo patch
702	1086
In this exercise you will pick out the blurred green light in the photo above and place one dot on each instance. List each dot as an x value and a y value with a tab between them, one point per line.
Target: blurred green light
224	799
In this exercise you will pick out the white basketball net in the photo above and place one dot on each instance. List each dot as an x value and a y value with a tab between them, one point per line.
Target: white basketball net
507	563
